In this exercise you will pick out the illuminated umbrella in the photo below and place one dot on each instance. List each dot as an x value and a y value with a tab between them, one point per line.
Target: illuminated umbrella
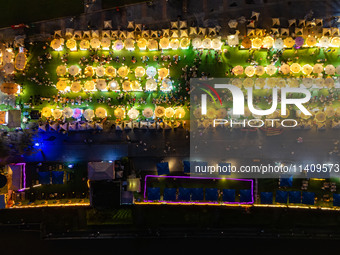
159	111
278	44
287	114
74	70
307	69
119	113
126	85
330	112
101	84
88	114
196	43
135	85
95	43
75	87
271	69
169	112
337	69
9	88
307	82
113	85
123	71
260	82
330	70
8	56
46	112
67	112
100	71
147	112
55	44
139	71
237	83
89	85
180	113
268	42
133	113
311	41
295	68
272	82
206	43
77	113
152	44
289	42
329	82
285	69
293	83
281	83
197	113
222	113
141	43
61	70
151	71
89	72
129	44
184	43
166	85
259	70
249	71
248	83
163	72
246	43
324	41
256	43
151	84
274	115
8	68
100	113
317	68
20	61
211	113
335	41
164	43
111	71
71	44
320	117
84	44
174	44
216	43
61	85
238	70
301	115
57	114
105	42
299	41
118	45
319	82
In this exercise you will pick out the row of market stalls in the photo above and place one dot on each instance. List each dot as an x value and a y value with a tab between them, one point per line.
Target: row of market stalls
164	43
286	69
120	113
110	71
215	43
65	85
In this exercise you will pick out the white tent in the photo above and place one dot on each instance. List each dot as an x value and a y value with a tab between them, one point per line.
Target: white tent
98	171
292	22
275	21
128	125
108	24
193	31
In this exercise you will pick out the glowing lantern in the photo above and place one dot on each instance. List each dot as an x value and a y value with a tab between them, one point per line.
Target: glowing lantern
238	70
119	113
46	112
71	44
100	113
196	43
133	113
271	69
101	84
111	71
169	112
179	113
139	71
89	72
75	87
147	112
164	43
57	114
89	85
268	42
151	85
61	70
256	43
123	71
61	85
126	85
129	44
307	69
249	71
174	44
184	43
159	111
295	68
88	114
289	42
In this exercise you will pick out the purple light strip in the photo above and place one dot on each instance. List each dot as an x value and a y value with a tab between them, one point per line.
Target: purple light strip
24	173
201	178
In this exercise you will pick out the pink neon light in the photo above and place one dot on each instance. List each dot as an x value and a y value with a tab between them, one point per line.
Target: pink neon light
24	173
202	178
